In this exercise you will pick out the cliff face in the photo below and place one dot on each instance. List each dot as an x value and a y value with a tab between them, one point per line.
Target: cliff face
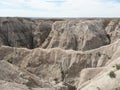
24	32
64	54
75	34
14	32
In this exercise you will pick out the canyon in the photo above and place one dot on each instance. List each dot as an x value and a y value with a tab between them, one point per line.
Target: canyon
59	54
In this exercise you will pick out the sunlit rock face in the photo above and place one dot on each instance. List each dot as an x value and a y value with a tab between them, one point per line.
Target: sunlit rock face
77	35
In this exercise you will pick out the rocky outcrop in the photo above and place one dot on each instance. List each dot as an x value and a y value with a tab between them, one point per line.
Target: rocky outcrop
41	32
104	81
113	30
89	73
11	73
24	32
4	85
77	35
14	32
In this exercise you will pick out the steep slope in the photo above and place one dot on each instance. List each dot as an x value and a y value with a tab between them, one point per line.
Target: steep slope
15	33
113	30
107	79
60	64
24	32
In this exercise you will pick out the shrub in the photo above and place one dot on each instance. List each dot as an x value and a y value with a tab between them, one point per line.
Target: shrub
113	66
118	66
99	54
10	59
98	88
118	88
30	83
112	74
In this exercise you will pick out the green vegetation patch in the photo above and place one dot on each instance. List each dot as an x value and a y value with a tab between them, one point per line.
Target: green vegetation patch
118	66
112	74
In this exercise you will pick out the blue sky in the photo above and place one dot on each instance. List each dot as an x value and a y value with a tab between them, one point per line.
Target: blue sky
60	8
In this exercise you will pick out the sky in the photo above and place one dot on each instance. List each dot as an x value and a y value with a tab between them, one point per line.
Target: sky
59	8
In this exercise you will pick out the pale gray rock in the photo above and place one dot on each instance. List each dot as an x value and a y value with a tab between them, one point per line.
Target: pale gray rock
77	35
4	85
113	30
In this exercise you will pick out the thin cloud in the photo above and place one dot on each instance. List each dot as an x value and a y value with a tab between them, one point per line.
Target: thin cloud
60	8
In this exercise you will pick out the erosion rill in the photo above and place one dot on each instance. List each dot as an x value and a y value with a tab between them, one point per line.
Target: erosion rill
59	54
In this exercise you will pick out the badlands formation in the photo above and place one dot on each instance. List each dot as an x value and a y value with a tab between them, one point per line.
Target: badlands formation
59	54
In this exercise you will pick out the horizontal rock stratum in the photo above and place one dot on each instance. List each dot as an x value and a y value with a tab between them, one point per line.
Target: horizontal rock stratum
59	54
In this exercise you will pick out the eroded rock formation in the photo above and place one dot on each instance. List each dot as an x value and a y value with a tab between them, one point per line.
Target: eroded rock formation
64	54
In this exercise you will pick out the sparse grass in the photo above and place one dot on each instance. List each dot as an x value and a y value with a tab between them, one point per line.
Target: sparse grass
112	74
